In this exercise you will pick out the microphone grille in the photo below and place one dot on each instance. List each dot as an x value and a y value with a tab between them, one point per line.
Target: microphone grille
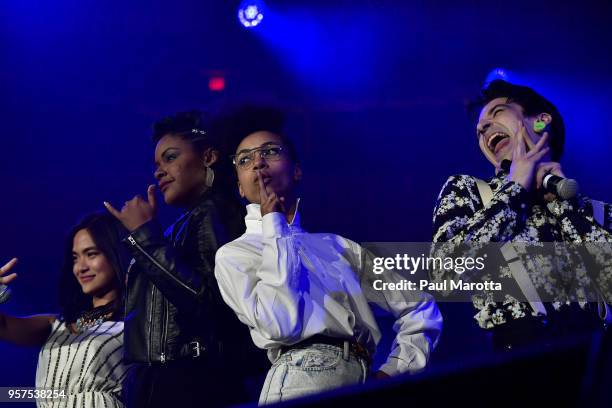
567	188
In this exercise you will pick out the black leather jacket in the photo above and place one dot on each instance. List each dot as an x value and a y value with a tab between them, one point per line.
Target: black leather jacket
174	309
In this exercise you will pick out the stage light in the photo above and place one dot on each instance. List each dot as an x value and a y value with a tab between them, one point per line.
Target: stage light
216	83
497	73
251	13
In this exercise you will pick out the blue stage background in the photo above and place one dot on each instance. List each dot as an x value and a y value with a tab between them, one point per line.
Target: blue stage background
375	93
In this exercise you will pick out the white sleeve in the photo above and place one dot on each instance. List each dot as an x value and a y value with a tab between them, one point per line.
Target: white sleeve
418	323
263	289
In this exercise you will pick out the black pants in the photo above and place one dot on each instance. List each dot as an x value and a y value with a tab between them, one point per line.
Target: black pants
185	383
571	322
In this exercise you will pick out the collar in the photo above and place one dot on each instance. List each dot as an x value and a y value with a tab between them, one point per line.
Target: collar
253	218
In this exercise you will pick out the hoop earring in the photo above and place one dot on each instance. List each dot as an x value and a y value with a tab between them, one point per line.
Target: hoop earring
210	177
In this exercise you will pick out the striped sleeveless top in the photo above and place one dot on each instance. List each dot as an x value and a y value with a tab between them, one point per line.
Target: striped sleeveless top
88	366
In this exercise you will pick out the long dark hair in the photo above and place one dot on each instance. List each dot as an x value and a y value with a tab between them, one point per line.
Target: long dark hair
106	232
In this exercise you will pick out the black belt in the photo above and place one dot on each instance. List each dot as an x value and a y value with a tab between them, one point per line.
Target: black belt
193	349
355	347
196	348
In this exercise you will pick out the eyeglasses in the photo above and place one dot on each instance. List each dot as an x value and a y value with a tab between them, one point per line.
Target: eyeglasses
245	160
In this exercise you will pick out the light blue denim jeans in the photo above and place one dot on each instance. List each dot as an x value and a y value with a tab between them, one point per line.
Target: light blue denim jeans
310	370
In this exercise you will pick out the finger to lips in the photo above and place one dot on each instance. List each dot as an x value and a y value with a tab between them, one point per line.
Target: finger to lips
262	187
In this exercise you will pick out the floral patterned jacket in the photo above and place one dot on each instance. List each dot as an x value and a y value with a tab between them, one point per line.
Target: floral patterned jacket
514	215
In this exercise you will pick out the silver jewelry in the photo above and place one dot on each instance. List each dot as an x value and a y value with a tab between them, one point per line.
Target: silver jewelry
198	131
95	317
210	177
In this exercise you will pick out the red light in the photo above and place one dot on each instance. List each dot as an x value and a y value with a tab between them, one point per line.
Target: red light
216	84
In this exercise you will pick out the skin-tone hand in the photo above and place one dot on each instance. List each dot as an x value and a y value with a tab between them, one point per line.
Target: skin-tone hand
5	280
23	331
544	169
269	201
524	163
137	211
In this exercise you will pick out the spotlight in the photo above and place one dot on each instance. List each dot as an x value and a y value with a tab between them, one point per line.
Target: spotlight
497	73
216	83
251	12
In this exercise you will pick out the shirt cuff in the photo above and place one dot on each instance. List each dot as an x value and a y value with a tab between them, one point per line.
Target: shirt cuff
274	225
395	366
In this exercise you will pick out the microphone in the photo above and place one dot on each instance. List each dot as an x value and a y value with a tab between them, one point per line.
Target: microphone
505	165
5	293
563	187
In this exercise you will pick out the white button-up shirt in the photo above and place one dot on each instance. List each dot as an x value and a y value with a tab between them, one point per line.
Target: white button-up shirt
288	285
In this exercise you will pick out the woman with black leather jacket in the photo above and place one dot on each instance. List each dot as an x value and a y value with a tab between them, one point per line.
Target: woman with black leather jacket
192	349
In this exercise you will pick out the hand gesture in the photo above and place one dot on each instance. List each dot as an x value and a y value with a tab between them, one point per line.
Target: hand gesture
137	211
545	168
5	280
269	202
524	163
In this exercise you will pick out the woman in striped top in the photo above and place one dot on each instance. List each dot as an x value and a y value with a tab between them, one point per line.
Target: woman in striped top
81	354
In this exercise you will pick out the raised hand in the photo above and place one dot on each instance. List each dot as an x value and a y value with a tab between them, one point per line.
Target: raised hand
269	201
524	163
137	211
5	280
545	168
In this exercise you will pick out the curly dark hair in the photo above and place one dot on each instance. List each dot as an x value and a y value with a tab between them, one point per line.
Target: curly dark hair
238	122
194	126
532	103
107	233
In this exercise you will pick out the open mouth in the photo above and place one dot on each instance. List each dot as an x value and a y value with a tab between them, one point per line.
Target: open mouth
497	141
